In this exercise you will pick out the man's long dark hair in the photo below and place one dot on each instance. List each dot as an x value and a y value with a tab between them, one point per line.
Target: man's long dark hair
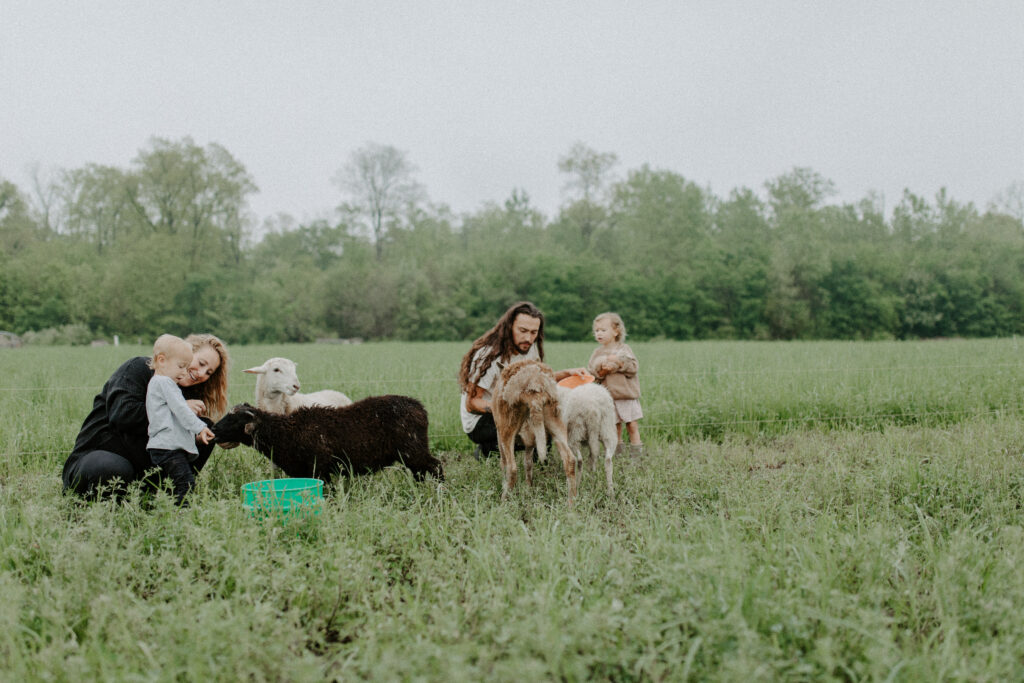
500	343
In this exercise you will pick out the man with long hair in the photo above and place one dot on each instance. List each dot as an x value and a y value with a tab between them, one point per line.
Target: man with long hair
518	335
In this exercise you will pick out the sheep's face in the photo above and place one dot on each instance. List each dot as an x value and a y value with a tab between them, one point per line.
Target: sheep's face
529	383
278	375
237	426
536	396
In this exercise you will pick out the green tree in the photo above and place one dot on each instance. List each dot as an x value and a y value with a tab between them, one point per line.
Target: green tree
662	221
99	204
1010	202
40	287
17	228
378	179
198	194
742	261
140	290
318	243
800	257
589	174
857	307
913	219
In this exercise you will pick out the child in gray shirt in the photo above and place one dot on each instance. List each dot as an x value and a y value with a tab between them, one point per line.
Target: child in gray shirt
173	427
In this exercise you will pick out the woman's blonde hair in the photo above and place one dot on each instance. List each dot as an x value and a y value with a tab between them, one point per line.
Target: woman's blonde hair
617	324
214	391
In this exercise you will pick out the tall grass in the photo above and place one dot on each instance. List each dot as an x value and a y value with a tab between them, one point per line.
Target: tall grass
781	543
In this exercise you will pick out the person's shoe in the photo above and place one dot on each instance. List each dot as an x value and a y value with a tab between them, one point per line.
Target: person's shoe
636	451
477	453
620	448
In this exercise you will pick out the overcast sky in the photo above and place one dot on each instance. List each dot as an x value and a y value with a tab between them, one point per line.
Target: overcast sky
486	96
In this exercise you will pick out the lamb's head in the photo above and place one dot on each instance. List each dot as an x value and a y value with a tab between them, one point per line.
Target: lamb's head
237	426
276	376
530	383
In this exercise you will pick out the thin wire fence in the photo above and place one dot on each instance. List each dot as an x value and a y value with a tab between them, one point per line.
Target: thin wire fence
713	372
719	425
696	427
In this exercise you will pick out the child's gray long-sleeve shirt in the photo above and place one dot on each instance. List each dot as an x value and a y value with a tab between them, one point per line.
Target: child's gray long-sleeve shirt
172	424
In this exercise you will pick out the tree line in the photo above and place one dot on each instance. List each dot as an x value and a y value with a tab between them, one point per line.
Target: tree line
168	245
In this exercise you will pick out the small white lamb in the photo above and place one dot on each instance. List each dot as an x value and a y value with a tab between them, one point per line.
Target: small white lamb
589	415
277	389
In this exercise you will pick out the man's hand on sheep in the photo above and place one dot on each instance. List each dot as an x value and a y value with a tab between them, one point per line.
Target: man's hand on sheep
205	436
578	372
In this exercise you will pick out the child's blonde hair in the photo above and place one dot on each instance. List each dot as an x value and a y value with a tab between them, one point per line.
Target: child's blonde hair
617	324
168	344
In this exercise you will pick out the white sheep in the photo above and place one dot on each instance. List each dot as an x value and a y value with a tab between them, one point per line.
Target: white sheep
277	389
589	415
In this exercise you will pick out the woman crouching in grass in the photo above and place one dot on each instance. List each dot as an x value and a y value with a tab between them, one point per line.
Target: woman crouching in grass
110	451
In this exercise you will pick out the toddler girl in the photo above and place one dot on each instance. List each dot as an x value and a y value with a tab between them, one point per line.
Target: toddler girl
615	366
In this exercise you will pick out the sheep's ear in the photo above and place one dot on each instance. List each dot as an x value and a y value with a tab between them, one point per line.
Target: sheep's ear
258	370
249	428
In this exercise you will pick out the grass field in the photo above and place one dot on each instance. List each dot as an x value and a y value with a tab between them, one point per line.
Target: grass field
806	511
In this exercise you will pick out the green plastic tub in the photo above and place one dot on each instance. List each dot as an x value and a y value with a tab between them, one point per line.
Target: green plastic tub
283	498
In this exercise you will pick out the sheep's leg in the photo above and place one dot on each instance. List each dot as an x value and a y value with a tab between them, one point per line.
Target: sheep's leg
569	464
508	468
577	451
594	444
540	437
610	439
529	444
556	427
507	453
608	455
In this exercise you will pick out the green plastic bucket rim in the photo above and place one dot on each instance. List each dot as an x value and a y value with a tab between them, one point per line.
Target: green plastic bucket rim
282	493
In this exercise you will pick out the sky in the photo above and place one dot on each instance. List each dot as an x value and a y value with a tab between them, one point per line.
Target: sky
484	96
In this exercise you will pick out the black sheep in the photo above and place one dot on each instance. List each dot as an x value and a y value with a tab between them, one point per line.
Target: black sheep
318	441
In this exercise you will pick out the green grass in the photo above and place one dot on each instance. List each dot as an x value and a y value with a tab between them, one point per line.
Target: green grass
806	512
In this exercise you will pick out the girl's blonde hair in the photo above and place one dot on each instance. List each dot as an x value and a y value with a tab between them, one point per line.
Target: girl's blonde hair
617	324
214	391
